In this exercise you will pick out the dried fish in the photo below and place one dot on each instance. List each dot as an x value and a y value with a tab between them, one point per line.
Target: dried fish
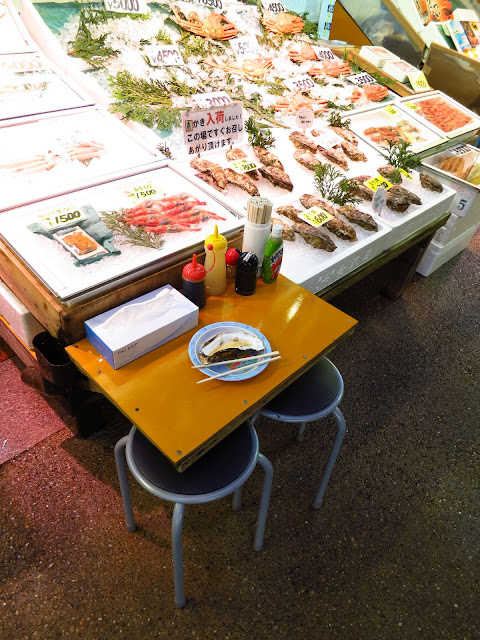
430	183
287	233
364	220
346	134
213	169
335	225
301	141
353	152
363	191
289	212
306	158
314	237
277	177
391	173
241	180
267	157
334	155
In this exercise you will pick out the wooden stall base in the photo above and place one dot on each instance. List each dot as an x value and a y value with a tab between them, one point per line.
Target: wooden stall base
26	355
404	258
67	323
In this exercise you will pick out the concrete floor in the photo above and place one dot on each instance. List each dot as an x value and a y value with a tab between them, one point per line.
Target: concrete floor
392	554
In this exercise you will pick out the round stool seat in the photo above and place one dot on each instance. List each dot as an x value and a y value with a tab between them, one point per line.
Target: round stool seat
317	389
216	469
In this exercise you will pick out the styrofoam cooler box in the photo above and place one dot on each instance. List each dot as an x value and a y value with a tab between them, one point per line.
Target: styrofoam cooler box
436	255
456	226
19	318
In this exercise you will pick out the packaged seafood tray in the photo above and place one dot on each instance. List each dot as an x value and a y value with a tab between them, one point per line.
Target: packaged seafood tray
394	122
317	268
29	86
99	238
49	155
14	38
443	114
297	154
424	206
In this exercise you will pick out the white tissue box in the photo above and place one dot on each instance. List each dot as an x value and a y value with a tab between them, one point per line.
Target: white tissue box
143	325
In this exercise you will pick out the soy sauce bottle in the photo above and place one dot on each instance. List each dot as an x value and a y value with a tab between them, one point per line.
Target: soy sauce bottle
246	276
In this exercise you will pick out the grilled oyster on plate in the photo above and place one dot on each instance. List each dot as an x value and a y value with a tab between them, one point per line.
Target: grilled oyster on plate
229	346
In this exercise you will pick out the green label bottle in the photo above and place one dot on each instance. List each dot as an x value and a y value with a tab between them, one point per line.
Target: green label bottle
273	255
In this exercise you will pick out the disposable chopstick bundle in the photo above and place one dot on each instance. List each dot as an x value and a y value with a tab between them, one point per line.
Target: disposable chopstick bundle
248	366
245	359
259	210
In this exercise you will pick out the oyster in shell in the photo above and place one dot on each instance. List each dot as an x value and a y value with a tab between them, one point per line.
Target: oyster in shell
277	177
229	346
430	183
267	157
301	141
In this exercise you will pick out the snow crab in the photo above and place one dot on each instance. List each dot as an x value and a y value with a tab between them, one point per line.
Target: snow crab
282	22
291	104
301	52
329	68
251	69
213	26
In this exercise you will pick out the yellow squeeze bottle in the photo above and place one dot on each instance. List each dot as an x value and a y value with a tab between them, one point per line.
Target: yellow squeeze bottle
216	278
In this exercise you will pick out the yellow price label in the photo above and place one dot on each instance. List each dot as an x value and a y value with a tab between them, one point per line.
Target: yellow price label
376	182
62	218
243	166
418	81
144	191
406	174
315	216
413	106
391	110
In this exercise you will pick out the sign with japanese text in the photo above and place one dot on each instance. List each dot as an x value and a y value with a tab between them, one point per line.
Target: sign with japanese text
212	99
376	182
325	18
459	150
418	81
216	128
61	218
305	119
245	165
315	216
328	139
244	47
164	55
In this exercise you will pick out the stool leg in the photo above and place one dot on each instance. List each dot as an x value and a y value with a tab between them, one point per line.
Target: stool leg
301	431
177	549
123	480
264	501
341	428
254	419
237	499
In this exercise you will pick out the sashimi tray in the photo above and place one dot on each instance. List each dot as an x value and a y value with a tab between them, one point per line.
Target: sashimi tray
99	238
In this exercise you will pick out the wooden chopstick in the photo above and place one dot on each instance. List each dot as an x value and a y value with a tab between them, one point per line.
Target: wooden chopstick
215	364
248	366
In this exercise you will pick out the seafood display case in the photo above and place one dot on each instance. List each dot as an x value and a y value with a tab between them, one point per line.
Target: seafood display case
14	38
45	156
99	238
29	86
395	123
442	113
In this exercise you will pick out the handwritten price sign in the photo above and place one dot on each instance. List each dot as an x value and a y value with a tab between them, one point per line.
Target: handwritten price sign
126	6
144	191
300	83
245	47
361	78
214	4
274	7
315	216
459	150
418	81
324	53
245	165
391	110
377	182
166	55
212	99
61	218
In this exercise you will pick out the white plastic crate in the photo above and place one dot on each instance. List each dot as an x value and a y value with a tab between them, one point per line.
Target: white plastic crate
456	225
16	314
436	256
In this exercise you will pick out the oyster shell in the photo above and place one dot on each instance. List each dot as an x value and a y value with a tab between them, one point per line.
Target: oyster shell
391	173
267	157
277	177
364	220
229	346
430	183
301	141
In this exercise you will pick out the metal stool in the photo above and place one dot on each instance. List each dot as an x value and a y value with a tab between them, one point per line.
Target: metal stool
314	395
221	471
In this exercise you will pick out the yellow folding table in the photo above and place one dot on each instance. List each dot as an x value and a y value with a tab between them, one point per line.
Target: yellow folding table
159	392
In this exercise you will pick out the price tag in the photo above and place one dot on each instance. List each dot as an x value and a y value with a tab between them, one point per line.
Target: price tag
412	106
379	200
245	165
406	174
328	139
62	218
391	110
459	150
418	81
305	119
376	182
144	191
245	46
165	55
274	7
214	4
126	6
315	216
324	53
361	78
300	83
212	99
